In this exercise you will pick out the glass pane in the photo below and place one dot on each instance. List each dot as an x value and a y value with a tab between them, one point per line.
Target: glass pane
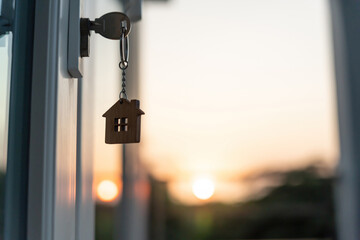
5	70
241	138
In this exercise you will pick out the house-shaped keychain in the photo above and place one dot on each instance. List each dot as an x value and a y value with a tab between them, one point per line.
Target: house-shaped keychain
123	122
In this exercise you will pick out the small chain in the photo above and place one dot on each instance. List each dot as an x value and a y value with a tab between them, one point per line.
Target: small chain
123	85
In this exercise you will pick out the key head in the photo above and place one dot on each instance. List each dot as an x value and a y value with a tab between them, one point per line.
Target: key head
110	24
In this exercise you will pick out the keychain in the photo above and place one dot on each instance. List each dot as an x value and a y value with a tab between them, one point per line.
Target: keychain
123	118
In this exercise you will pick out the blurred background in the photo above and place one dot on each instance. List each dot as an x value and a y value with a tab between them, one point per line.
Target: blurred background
240	138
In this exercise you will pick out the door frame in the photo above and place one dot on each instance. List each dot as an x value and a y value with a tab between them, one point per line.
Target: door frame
16	182
43	122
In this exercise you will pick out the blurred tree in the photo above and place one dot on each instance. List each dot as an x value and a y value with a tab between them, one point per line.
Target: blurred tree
104	222
301	206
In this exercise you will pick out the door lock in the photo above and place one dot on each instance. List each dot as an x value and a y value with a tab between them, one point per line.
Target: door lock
109	26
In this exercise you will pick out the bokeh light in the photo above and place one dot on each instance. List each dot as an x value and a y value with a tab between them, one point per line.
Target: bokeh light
203	188
107	191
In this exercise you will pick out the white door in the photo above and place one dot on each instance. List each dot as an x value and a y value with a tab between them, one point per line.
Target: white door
66	132
52	160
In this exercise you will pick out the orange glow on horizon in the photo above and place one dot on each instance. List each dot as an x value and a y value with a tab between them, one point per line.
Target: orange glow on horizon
274	108
107	191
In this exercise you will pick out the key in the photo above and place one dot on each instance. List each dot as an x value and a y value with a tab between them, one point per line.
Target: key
110	25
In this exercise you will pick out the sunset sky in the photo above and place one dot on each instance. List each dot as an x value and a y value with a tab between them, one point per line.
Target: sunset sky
231	87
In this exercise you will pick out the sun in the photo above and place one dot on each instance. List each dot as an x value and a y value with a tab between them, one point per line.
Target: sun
107	191
203	188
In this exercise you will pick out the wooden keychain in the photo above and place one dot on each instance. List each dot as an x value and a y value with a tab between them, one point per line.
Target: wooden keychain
123	118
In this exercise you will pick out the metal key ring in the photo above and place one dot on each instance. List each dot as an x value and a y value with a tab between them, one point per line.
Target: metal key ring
124	49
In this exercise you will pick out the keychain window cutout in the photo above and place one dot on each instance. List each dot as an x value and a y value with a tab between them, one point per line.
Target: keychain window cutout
123	122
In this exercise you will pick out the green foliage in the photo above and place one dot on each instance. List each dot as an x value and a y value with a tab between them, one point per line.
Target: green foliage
104	222
300	207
